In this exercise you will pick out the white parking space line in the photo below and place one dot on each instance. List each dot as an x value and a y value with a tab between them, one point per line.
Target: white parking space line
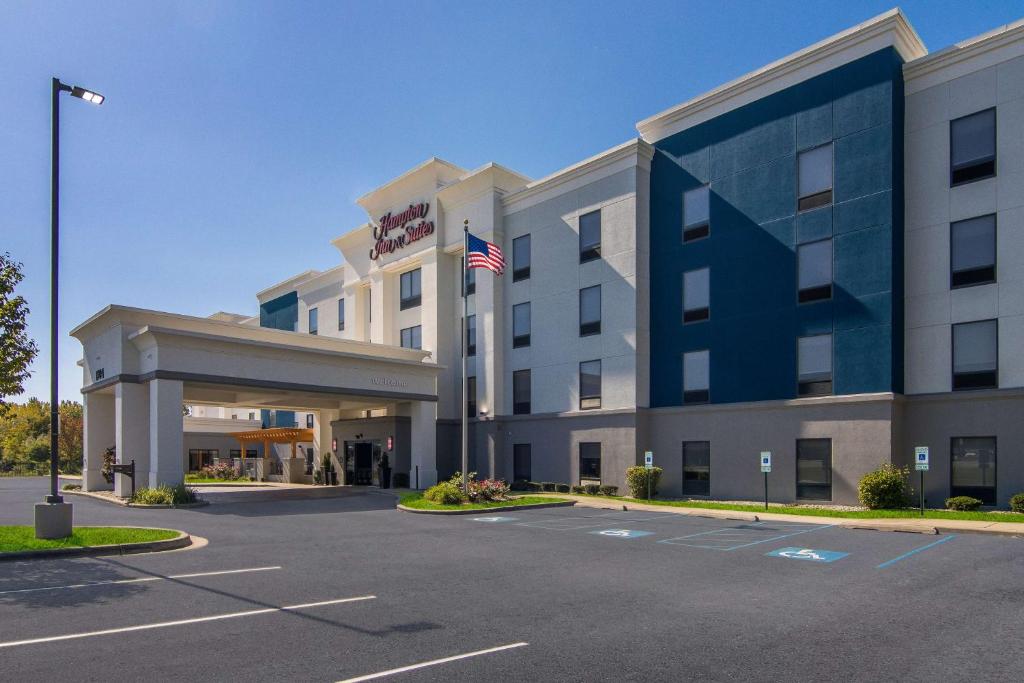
144	579
183	622
433	662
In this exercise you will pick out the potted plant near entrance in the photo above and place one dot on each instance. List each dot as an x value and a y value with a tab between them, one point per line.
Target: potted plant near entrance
330	477
385	472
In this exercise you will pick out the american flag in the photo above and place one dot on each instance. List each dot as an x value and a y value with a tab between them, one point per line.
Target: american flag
483	254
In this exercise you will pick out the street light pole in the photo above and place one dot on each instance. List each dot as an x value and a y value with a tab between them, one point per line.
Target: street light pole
53	517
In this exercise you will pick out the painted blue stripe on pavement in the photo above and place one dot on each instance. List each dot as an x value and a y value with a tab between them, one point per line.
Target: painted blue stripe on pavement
916	551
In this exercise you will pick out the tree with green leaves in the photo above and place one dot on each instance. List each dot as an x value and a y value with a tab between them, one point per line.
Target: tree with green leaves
17	350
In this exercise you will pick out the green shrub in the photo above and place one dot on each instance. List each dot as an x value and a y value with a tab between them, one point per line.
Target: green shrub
609	490
547	486
166	495
72	487
577	490
445	493
962	503
562	488
884	488
533	486
1017	503
637	479
592	489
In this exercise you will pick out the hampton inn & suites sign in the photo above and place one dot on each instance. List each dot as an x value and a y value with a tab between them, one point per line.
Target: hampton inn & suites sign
405	228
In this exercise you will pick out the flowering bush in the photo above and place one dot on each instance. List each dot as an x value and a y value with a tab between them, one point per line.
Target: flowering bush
222	470
481	490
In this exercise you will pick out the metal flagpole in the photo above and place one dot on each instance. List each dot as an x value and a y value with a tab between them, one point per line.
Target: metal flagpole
465	341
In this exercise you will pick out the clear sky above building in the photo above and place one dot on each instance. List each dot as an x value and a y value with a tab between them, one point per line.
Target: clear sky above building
236	135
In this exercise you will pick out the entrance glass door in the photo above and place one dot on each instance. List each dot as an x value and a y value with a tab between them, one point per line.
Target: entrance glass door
362	461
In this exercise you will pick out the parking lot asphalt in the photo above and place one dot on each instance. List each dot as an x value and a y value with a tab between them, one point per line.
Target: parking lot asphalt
349	588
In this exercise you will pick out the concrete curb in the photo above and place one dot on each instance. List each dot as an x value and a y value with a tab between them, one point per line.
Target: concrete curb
182	540
126	504
487	511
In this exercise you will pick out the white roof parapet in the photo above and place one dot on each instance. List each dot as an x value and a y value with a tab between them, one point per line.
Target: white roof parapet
993	47
890	29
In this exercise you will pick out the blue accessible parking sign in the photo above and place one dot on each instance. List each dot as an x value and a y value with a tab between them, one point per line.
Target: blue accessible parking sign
808	554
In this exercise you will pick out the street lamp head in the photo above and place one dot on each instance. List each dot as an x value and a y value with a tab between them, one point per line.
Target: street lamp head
87	95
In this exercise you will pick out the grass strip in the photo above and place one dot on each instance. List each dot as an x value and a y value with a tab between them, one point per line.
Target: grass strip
18	538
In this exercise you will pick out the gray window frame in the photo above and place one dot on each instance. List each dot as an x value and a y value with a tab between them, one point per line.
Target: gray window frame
521	339
590	250
591	401
978	275
522	407
415	293
821	198
519	271
977	169
589	327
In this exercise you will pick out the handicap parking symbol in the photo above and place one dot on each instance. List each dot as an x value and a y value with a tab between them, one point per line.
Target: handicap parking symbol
494	519
622	533
808	554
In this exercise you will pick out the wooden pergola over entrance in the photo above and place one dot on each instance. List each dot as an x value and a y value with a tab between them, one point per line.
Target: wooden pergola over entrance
273	435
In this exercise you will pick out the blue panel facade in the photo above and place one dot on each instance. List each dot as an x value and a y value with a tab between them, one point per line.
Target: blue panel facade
749	158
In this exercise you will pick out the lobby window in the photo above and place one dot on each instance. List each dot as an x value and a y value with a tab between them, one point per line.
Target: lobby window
471	397
814	365
697	376
341	314
815	183
522	469
314	324
521	325
697	468
198	458
590	236
972	256
471	335
252	415
521	392
814	469
973	468
590	310
469	284
696	214
590	460
814	271
309	420
976	355
972	147
521	258
412	337
411	289
590	384
696	295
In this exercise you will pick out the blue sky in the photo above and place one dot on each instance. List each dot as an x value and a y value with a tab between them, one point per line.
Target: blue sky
237	135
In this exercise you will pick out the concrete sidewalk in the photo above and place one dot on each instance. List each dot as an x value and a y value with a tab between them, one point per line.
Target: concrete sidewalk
908	524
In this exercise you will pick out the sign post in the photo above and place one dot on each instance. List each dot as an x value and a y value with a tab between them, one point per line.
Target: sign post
766	467
649	465
921	465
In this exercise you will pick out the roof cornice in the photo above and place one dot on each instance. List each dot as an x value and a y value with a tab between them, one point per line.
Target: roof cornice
890	29
983	49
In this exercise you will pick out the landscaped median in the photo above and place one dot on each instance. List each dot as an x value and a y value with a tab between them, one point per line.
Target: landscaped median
20	542
415	502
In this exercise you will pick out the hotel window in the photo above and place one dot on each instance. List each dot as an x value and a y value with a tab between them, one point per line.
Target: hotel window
313	324
976	355
697	468
252	415
590	236
590	384
469	284
696	214
412	337
522	469
972	254
814	271
814	365
471	397
590	460
972	147
815	184
411	289
521	325
471	335
590	310
341	314
973	468
814	469
198	458
521	258
309	420
696	295
697	376
249	453
521	392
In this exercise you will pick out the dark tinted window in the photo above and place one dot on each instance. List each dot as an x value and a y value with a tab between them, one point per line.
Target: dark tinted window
520	258
697	376
696	295
590	384
314	324
972	147
814	365
697	468
976	355
412	337
973	468
590	310
521	325
341	314
590	236
814	271
521	392
471	335
696	214
411	291
590	460
471	397
972	252
814	469
815	182
522	469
